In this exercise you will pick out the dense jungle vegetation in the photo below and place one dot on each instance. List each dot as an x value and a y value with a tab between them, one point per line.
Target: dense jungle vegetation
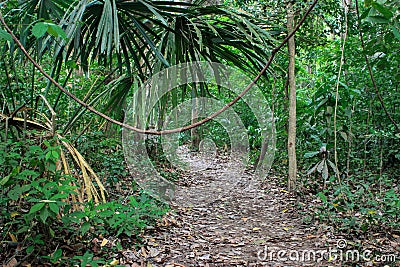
67	196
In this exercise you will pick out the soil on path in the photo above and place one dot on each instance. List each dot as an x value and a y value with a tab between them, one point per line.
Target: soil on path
225	217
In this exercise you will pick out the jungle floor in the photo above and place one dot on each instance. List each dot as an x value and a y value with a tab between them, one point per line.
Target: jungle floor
227	218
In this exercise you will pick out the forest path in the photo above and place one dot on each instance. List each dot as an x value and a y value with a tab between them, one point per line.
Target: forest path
226	218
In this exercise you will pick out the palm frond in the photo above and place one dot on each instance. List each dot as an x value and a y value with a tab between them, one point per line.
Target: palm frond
144	37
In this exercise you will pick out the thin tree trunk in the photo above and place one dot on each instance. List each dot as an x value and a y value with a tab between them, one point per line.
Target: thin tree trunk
367	127
265	143
292	102
195	118
350	139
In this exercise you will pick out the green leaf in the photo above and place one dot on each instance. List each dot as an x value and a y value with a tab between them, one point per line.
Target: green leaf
39	29
18	190
396	32
57	255
59	196
52	233
13	194
365	13
325	173
54	208
150	42
5	180
72	64
383	10
85	227
51	166
36	207
44	214
322	197
321	165
55	154
86	258
30	249
5	35
377	19
333	166
14	172
154	11
312	169
343	135
56	31
47	143
34	149
310	154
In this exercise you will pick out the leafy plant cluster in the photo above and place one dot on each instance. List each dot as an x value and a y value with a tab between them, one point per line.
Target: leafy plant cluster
360	208
42	207
365	197
105	155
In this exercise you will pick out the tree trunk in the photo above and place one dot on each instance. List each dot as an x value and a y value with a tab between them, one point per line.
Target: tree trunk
292	102
195	117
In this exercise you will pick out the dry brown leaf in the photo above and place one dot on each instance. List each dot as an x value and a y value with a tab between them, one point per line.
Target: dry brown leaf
13	238
11	263
104	242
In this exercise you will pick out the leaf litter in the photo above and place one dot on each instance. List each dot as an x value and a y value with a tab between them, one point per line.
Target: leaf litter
223	216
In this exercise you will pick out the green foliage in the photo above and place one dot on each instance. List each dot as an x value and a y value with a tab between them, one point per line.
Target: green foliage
40	28
217	134
128	216
105	155
34	193
87	258
5	36
359	206
39	209
322	166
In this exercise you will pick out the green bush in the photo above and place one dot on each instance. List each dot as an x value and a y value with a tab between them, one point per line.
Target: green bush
360	206
34	193
39	213
116	218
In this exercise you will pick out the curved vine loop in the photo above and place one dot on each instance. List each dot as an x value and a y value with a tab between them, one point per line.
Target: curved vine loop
177	130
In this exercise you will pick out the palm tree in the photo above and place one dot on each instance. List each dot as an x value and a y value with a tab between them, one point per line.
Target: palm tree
142	37
138	38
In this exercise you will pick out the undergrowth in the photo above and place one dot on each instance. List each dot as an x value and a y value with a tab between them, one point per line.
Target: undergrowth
356	206
44	222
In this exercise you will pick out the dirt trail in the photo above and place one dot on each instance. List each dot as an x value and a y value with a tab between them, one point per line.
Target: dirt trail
224	217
